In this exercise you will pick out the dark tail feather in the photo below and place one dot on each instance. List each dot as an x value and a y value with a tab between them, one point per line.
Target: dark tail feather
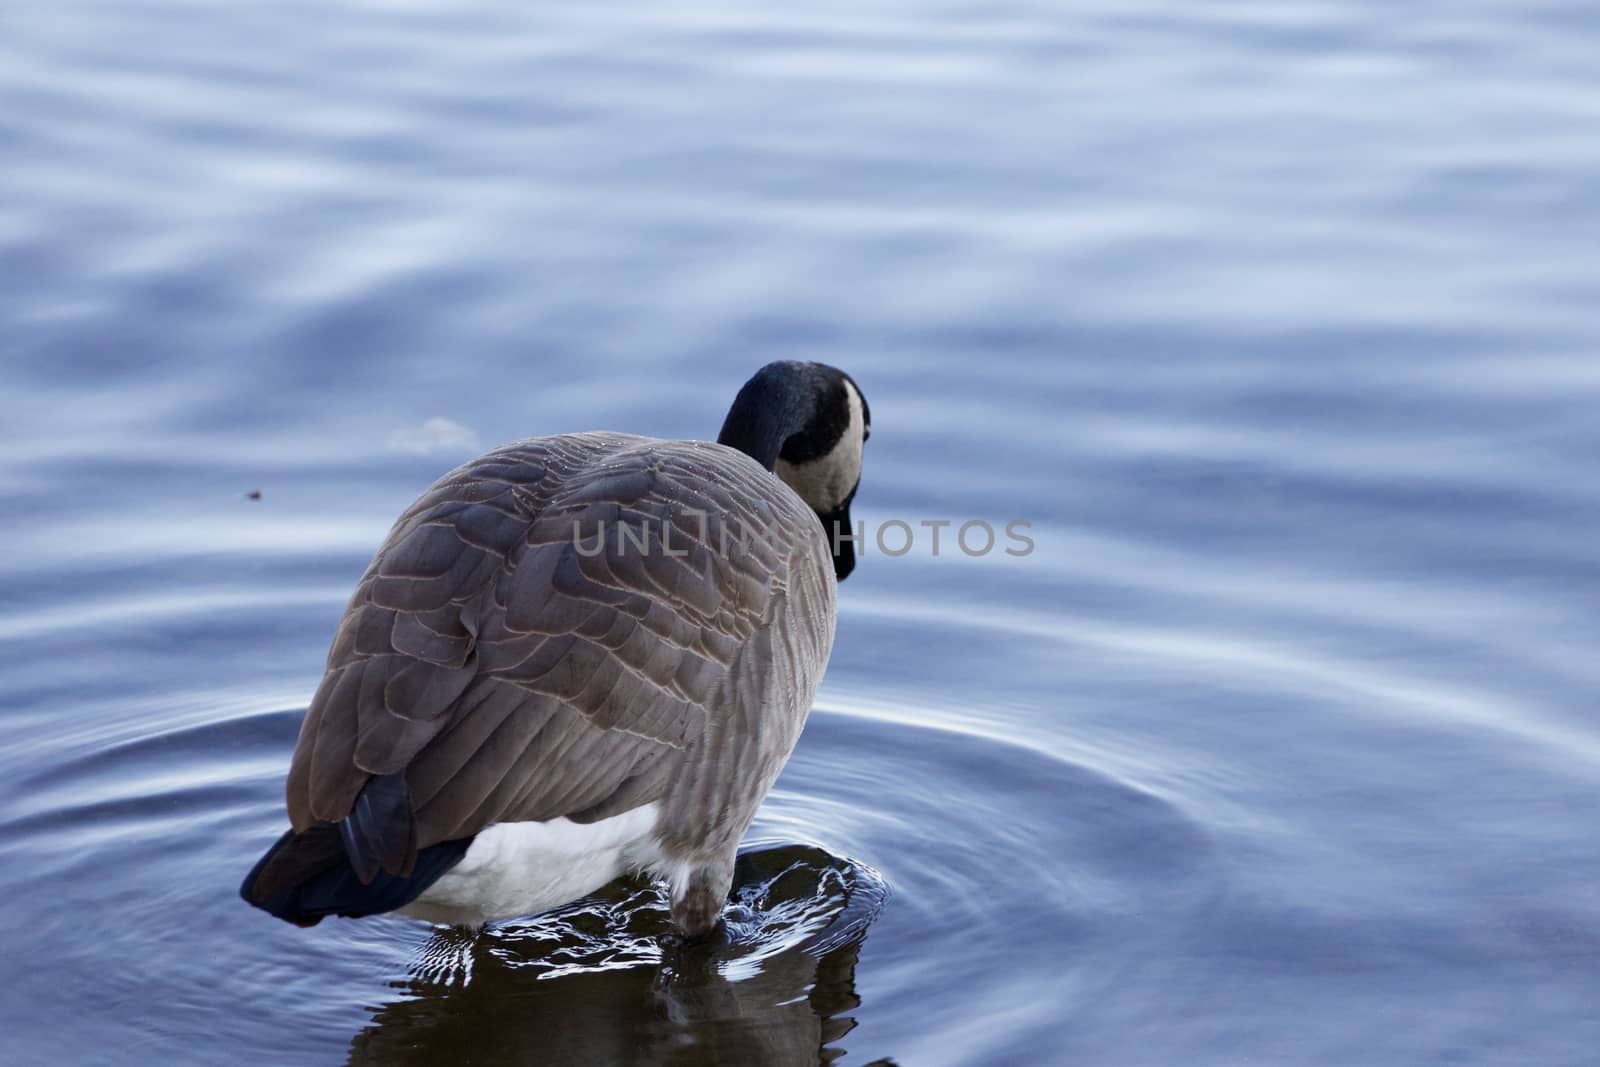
305	877
380	833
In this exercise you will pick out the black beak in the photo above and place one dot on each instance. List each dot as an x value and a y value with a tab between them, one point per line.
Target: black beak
841	538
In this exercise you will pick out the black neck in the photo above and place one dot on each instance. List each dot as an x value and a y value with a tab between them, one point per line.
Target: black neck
773	406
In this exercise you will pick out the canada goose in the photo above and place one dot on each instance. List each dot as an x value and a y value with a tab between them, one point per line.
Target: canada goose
573	657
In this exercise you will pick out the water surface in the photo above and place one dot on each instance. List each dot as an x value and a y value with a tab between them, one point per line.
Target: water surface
1278	323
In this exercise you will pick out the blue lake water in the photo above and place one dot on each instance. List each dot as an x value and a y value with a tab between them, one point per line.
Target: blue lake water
1280	324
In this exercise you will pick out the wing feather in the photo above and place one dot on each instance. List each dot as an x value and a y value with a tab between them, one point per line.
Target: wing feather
500	674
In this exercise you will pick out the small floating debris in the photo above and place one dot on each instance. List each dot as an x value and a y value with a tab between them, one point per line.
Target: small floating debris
437	434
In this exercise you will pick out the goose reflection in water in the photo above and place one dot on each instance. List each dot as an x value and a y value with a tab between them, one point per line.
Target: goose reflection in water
607	982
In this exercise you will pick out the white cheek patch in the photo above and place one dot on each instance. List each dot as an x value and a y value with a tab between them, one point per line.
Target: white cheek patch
824	482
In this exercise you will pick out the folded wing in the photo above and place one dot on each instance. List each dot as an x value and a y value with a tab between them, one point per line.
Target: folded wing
545	633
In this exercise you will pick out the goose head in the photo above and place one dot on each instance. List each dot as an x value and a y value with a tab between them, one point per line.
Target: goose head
807	423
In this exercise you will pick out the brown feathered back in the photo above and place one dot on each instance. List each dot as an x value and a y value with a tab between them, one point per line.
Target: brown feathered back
507	674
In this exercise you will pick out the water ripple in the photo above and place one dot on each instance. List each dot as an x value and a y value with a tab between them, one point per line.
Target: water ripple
1277	322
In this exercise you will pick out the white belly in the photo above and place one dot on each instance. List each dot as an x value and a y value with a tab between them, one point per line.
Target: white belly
523	868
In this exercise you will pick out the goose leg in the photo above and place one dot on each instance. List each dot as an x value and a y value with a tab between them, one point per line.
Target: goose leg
699	893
